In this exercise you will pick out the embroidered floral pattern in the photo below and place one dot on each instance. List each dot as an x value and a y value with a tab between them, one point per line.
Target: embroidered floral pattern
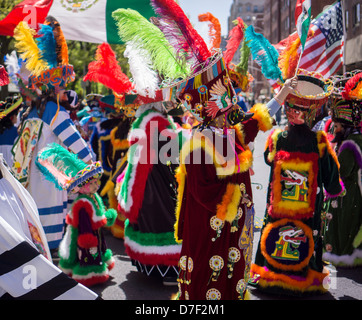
213	294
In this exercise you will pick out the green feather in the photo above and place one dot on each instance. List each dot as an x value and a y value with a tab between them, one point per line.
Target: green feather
136	30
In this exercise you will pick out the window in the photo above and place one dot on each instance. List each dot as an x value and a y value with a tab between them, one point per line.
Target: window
248	7
255	8
356	14
240	9
346	20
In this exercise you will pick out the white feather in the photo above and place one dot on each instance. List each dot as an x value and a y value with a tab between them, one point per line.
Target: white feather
11	62
144	77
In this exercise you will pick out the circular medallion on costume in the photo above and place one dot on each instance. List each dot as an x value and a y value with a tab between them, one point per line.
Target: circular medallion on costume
188	97
216	223
182	263
234	100
241	286
198	107
287	244
202	89
190	264
234	255
213	294
216	263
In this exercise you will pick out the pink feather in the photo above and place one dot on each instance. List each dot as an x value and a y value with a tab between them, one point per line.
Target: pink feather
174	23
236	35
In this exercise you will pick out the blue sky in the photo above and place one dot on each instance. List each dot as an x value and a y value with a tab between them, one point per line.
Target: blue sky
218	8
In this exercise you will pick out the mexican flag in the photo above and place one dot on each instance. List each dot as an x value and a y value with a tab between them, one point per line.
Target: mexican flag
302	19
88	20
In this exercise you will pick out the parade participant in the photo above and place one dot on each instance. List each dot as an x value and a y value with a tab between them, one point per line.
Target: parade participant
343	216
83	251
147	196
8	131
303	164
27	271
46	121
217	241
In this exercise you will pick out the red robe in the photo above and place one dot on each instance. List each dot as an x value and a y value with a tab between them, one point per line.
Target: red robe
215	213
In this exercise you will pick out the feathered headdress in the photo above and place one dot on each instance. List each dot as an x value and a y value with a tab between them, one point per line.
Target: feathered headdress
147	39
64	168
45	54
214	30
264	54
346	102
106	70
180	33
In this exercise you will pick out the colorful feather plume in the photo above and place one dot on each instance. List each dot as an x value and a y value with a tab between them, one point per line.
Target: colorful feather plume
46	44
179	31
353	88
289	57
61	44
145	79
214	29
263	53
25	43
243	65
134	28
12	64
4	78
236	36
106	70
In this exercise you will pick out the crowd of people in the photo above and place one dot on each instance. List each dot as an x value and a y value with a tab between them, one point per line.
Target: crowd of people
168	171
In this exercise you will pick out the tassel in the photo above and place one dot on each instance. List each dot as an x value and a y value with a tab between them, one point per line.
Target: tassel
134	29
26	44
236	35
180	33
107	71
214	30
264	53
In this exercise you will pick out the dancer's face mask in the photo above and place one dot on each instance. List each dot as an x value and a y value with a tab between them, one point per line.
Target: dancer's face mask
295	114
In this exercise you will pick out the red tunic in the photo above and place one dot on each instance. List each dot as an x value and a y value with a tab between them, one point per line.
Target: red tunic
215	216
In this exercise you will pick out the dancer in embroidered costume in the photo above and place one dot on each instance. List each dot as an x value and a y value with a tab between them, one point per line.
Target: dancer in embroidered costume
303	164
343	216
83	251
46	121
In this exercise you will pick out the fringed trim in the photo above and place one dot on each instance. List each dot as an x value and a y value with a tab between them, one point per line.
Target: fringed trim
228	208
346	260
261	114
263	243
272	144
223	167
331	196
180	178
314	281
354	147
118	144
324	144
95	215
301	163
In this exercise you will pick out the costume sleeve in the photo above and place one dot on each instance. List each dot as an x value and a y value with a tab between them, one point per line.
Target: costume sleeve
217	195
64	128
26	274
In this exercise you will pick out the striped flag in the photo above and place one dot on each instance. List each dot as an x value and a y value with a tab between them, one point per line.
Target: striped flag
87	20
302	19
323	52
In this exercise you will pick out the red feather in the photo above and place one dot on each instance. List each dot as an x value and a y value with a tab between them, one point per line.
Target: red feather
4	78
351	85
236	35
170	13
106	70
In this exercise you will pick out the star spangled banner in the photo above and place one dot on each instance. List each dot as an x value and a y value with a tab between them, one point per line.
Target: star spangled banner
87	20
323	52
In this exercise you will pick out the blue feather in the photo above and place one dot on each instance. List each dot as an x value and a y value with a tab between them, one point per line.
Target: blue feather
47	45
263	53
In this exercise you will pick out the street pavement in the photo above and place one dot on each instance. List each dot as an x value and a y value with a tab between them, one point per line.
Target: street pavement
127	284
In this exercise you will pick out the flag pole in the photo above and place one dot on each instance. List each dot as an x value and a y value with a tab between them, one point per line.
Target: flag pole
300	57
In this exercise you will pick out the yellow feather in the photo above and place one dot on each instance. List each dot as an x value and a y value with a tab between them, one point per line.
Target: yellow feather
28	48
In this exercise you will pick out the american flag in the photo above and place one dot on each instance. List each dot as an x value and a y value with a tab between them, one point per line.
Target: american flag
323	52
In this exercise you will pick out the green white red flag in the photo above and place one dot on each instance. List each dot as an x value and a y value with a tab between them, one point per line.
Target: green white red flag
88	20
302	19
